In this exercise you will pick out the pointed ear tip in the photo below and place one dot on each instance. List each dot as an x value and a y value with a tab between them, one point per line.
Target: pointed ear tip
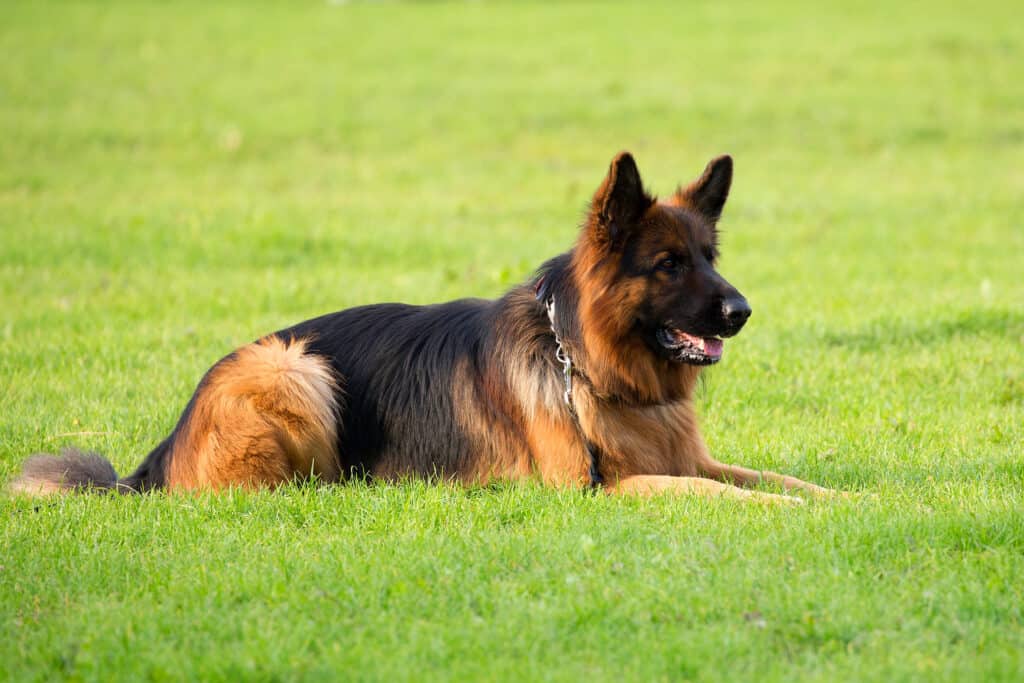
722	161
623	157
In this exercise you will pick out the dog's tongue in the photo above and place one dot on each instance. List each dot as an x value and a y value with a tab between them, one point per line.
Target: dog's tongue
711	346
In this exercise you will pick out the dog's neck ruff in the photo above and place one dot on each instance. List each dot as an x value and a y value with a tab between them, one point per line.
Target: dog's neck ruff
563	357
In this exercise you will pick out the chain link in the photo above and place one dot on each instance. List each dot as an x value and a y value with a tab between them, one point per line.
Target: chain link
561	356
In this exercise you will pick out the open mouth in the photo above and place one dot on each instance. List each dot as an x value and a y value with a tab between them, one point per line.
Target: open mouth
689	348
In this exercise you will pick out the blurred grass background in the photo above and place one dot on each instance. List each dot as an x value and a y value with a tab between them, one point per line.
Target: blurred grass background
178	179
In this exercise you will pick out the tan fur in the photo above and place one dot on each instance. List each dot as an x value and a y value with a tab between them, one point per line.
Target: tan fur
618	363
535	392
651	485
484	410
665	440
558	454
263	417
658	439
35	486
634	406
743	476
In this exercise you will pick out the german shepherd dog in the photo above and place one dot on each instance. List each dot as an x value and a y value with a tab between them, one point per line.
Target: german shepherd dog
582	376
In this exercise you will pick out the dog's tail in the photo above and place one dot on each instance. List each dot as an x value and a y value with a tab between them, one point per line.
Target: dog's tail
71	471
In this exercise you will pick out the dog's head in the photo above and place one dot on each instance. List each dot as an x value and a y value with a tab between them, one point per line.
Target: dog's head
651	266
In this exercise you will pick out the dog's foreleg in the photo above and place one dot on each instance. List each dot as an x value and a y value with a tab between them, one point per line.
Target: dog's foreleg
743	476
649	485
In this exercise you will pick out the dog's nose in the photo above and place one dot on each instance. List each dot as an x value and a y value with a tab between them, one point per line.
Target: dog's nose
735	310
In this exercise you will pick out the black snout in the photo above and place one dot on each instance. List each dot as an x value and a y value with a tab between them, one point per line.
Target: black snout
735	311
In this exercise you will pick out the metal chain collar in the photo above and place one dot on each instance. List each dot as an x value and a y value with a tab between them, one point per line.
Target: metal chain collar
562	356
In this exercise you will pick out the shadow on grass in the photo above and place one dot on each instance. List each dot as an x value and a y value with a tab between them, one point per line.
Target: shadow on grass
882	333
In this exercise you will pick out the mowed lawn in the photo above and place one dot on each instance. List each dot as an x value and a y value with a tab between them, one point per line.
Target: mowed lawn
176	180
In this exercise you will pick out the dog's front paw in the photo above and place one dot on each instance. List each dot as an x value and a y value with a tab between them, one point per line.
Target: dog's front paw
773	498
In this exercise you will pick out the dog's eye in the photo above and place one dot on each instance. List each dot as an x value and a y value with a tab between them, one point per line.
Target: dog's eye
668	265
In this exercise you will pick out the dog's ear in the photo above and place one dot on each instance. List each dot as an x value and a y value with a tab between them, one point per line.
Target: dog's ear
708	193
620	201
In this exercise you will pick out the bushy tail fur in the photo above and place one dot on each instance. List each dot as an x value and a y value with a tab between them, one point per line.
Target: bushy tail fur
71	471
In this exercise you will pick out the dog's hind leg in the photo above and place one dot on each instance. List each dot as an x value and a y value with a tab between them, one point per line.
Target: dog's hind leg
743	476
264	416
648	485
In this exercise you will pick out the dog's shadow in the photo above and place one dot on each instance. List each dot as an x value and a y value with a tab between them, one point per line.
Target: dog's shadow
883	332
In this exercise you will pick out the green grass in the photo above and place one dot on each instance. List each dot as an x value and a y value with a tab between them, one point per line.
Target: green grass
177	180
